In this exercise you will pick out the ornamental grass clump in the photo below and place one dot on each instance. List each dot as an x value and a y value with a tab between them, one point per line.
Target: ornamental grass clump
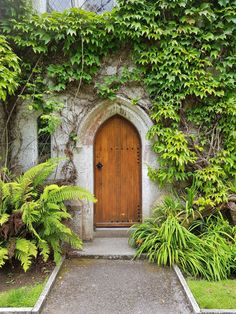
206	249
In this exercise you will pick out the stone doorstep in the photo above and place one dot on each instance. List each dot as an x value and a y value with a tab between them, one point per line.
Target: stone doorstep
42	298
105	248
192	300
111	232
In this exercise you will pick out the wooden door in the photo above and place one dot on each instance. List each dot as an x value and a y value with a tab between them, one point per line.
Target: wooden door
117	168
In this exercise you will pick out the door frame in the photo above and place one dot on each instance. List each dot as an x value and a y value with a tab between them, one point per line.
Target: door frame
84	157
140	169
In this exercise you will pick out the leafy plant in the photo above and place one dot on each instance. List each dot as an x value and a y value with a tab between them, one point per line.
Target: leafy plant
112	83
209	254
31	216
9	69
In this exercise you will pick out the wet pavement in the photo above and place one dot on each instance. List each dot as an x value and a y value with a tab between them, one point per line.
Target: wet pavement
87	286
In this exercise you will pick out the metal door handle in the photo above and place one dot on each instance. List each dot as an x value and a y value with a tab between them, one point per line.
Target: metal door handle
99	166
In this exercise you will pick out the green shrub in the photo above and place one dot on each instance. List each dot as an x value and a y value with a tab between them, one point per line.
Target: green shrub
31	216
208	253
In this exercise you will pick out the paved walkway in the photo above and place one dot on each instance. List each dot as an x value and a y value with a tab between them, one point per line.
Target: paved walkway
104	286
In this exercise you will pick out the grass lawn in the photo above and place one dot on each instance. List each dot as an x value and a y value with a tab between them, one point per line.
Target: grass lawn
21	297
214	295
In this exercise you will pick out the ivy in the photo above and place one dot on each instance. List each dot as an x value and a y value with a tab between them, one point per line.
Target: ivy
112	83
9	69
185	55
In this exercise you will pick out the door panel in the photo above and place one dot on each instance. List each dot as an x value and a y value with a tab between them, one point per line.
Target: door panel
117	168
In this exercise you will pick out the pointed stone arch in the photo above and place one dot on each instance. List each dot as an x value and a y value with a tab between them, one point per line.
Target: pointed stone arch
84	158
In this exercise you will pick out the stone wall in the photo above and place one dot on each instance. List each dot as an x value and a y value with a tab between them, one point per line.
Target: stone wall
82	115
25	149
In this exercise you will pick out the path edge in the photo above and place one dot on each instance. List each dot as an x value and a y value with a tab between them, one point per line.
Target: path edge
187	290
51	280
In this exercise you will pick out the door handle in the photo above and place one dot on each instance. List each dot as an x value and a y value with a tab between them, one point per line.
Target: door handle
99	166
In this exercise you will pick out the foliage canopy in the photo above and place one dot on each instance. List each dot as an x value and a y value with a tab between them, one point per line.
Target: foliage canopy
184	51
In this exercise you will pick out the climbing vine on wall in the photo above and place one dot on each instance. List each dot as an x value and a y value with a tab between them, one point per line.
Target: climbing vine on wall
185	55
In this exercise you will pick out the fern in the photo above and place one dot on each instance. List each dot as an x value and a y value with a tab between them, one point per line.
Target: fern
38	215
23	192
30	215
53	225
38	174
57	194
9	190
73	240
56	246
4	218
44	249
24	251
3	255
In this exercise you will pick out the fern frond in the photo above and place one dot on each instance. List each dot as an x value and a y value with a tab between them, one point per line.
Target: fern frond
25	250
3	218
53	206
44	250
56	247
39	173
23	193
60	215
9	191
73	240
47	190
53	225
3	256
64	193
30	215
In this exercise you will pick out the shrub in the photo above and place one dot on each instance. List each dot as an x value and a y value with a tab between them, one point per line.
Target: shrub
206	249
31	216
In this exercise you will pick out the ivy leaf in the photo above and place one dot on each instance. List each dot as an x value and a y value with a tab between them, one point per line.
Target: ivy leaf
223	2
71	32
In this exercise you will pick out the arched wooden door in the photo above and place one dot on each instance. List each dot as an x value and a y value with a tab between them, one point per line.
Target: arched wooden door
117	168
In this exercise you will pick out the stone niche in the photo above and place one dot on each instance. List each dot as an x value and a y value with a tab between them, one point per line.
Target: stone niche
91	112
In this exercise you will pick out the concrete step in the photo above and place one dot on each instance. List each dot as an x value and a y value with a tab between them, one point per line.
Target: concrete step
105	248
111	233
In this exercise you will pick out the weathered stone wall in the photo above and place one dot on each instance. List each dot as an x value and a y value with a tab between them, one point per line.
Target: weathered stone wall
82	115
25	149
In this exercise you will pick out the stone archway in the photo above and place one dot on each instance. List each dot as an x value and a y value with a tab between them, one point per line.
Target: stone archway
84	159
